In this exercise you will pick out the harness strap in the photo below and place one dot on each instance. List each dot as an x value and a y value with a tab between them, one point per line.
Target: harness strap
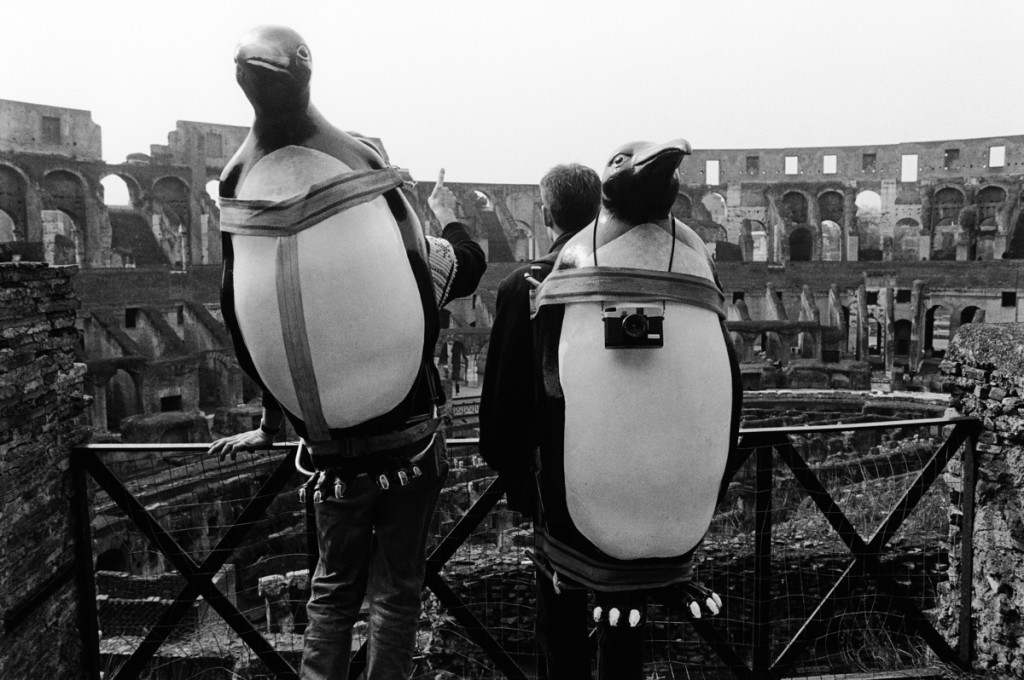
284	220
356	447
597	284
612	575
292	215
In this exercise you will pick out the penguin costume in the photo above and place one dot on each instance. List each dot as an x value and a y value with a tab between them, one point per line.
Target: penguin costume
327	290
639	393
331	294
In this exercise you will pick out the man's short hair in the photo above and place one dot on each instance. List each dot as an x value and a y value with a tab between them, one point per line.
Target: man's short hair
572	192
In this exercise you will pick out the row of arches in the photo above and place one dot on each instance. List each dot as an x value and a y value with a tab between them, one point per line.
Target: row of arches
64	217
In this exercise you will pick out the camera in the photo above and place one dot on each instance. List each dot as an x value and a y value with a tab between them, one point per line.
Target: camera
632	326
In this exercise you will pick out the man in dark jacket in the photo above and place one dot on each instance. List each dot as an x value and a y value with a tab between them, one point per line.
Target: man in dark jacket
571	197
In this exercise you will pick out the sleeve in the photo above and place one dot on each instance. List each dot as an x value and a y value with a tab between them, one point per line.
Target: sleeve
507	400
457	263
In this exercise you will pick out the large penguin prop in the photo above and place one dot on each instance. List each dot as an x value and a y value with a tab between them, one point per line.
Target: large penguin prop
640	392
326	288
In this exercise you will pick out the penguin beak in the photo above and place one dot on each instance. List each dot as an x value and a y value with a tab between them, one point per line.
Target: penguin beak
646	160
261	55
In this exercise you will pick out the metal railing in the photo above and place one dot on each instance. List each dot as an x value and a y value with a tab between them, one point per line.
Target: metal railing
757	657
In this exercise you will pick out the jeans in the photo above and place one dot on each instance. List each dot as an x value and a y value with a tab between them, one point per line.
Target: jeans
372	545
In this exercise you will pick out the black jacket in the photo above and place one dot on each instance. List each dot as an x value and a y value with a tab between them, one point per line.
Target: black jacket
508	399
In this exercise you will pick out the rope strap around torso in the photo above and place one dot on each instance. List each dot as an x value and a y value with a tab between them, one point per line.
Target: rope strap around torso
292	215
611	284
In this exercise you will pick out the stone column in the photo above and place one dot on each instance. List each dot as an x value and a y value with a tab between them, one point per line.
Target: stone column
889	331
984	373
862	323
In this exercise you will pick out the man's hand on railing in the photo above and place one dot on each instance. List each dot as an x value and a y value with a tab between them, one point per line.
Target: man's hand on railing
246	441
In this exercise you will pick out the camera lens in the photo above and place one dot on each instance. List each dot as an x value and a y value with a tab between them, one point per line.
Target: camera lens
634	325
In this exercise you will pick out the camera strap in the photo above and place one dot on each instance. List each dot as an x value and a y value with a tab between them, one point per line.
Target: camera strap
671	253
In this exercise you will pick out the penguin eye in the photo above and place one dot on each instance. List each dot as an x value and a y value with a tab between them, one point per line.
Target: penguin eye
619	159
302	53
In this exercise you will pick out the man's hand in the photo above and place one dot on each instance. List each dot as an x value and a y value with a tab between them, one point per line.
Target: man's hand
246	441
442	202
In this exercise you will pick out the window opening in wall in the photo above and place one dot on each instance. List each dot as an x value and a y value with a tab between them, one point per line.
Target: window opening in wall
181	315
214	145
753	165
131	317
872	297
51	130
741	295
996	156
1009	298
172	403
711	172
792	165
902	295
950	158
868	161
829	164
909	169
778	295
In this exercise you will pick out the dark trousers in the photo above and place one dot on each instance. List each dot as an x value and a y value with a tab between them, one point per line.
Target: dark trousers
372	544
565	648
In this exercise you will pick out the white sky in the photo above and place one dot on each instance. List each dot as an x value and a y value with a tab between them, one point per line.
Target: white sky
501	92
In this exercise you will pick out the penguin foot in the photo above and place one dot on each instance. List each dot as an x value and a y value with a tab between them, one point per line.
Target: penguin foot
697	600
619	608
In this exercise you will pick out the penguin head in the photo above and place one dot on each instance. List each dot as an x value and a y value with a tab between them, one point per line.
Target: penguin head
639	183
273	66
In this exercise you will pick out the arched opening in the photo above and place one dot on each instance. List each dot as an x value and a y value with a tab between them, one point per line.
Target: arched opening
830	206
869	228
116	191
793	207
714	203
936	330
8	229
906	239
946	206
874	336
122	399
901	337
831	241
64	192
967	314
12	202
682	207
62	239
759	241
801	245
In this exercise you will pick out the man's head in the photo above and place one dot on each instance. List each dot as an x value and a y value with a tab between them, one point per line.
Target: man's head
571	195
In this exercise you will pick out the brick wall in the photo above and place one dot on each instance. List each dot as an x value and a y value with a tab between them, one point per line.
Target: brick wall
984	372
41	418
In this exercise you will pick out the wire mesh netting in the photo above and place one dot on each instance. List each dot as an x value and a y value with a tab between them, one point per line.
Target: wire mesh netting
860	627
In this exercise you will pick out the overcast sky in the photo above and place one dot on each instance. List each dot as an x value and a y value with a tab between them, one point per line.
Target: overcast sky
499	92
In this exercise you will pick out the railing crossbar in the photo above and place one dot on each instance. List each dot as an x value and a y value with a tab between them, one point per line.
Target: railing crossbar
198	577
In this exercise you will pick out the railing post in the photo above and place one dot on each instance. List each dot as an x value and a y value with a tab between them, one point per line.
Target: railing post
762	560
970	469
86	580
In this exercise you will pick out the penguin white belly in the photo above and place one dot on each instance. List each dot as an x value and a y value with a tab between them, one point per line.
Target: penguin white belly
362	308
646	431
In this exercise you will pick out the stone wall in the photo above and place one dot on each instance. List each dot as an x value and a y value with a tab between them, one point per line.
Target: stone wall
984	372
41	418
